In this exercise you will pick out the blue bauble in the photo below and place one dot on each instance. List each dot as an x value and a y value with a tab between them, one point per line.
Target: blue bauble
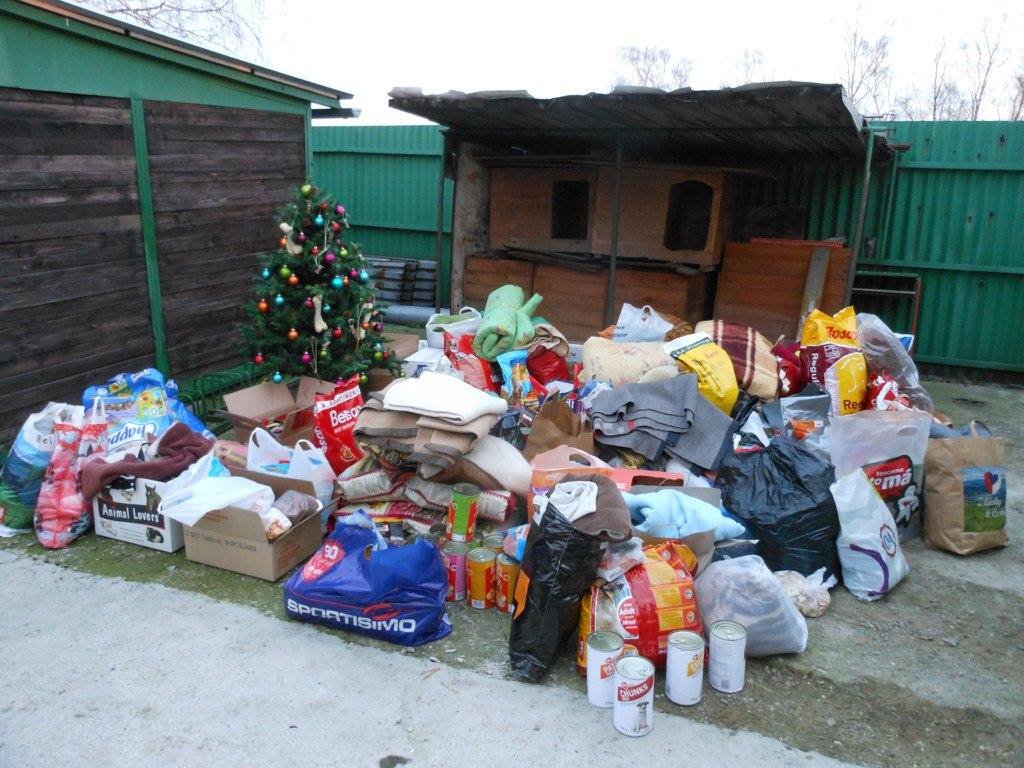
278	378
336	282
266	273
319	220
279	300
364	276
326	308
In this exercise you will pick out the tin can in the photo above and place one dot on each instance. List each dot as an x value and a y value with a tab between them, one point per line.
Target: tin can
455	560
727	664
633	710
480	573
603	650
684	669
506	574
462	512
494	541
474	544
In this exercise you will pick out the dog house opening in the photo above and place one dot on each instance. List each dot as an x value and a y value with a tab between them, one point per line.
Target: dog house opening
570	210
689	216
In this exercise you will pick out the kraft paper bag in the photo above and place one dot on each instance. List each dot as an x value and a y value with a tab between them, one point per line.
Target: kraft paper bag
965	494
556	425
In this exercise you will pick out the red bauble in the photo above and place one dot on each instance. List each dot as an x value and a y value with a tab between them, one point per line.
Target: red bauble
309	302
293	279
387	355
263	306
293	335
335	226
315	250
366	326
283	242
258	359
323	207
337	333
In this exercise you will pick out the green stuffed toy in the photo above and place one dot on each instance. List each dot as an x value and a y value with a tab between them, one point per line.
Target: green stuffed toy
507	322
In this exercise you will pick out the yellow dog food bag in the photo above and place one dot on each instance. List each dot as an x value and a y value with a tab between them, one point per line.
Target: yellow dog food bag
830	355
716	378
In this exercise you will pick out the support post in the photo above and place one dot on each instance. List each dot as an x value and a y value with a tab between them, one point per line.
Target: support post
443	294
889	201
609	306
148	220
858	235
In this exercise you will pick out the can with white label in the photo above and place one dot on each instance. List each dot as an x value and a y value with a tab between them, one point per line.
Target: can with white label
633	711
727	664
603	650
684	669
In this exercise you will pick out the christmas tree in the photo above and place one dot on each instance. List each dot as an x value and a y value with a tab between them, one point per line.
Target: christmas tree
314	309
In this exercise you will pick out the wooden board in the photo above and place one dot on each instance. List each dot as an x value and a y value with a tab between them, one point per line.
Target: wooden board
762	284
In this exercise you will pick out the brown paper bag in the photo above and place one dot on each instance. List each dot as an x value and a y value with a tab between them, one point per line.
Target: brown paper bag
965	494
557	425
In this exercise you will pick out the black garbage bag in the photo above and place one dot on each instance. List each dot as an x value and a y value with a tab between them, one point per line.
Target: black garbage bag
782	494
560	563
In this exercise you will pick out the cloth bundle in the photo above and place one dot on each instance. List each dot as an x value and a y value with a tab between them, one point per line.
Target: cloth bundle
668	416
507	322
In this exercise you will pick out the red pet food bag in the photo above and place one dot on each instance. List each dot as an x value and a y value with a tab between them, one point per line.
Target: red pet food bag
335	424
477	371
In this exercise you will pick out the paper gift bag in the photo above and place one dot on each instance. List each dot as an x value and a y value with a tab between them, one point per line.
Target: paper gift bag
556	425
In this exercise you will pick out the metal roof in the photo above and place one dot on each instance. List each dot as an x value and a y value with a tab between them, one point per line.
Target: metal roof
232	67
782	118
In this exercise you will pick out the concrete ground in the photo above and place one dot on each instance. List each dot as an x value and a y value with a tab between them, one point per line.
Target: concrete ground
932	675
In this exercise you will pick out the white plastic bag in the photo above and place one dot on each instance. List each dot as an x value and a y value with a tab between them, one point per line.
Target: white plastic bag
303	462
196	491
808	593
745	591
869	549
469	322
640	324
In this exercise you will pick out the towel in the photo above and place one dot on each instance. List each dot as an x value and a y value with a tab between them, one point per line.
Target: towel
546	336
687	515
443	397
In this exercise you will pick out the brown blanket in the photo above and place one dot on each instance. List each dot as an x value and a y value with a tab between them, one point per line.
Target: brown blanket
178	449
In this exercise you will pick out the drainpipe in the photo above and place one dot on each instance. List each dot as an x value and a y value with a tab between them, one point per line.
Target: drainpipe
858	235
609	306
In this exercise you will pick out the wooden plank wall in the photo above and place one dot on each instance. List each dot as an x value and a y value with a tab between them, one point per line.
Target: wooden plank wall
73	303
762	285
219	177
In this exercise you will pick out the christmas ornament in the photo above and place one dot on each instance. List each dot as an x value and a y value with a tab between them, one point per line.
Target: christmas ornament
302	237
336	282
378	327
293	280
323	207
337	332
293	335
278	378
315	250
265	273
284	272
263	306
335	226
327	308
306	190
319	220
344	281
309	302
307	358
343	251
363	378
279	300
340	210
283	242
319	326
258	359
378	356
364	276
323	353
365	326
386	354
353	273
329	257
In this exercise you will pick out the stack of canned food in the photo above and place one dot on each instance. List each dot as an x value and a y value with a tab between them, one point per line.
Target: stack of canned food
478	569
619	679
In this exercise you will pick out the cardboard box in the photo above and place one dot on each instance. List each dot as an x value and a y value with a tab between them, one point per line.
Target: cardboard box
264	403
234	539
401	346
126	511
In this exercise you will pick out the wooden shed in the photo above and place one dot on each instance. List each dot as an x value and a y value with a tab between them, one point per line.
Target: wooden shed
644	196
139	177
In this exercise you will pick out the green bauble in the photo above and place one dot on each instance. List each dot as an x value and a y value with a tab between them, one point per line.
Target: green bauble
284	272
378	356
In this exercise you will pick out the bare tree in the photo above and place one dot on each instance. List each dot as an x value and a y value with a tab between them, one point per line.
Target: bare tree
1016	108
654	68
230	24
982	57
753	66
944	99
867	74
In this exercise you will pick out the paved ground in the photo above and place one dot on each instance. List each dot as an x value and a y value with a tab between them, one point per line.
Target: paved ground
102	672
932	675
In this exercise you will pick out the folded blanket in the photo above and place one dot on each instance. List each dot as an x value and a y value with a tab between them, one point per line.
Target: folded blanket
546	336
442	397
506	322
682	515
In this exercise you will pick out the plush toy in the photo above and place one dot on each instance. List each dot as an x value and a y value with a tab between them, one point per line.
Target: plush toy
506	323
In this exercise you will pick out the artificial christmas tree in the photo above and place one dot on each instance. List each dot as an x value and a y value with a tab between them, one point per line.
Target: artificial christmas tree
314	309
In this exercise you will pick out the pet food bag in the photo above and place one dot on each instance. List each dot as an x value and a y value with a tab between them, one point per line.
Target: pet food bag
716	377
869	548
644	606
965	494
357	583
830	355
890	447
475	370
335	417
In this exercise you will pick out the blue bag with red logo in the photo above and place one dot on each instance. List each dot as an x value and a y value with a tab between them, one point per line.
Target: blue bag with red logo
356	582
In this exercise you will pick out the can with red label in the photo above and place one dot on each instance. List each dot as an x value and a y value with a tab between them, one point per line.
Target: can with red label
727	663
455	560
603	650
462	512
506	574
480	574
684	669
633	710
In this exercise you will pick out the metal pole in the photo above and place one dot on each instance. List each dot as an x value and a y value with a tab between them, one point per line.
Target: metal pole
443	269
861	214
148	220
889	200
609	306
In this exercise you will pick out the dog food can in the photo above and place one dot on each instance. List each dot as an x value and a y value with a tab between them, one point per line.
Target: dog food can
506	574
633	710
684	670
603	650
494	542
727	664
455	560
480	572
462	512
